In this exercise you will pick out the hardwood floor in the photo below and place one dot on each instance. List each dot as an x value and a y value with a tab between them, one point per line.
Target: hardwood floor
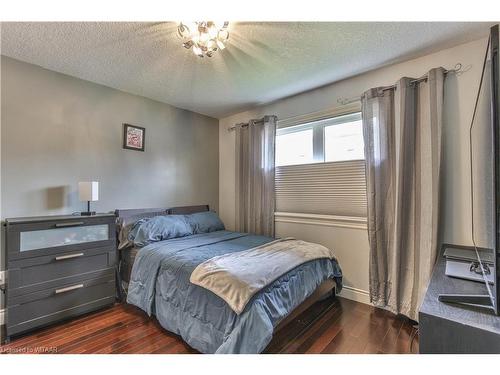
331	326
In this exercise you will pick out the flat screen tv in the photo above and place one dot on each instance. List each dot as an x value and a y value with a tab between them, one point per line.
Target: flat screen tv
495	122
486	173
485	187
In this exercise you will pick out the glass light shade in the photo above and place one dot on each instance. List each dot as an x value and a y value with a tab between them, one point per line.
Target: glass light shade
220	45
205	37
211	46
213	31
223	35
197	51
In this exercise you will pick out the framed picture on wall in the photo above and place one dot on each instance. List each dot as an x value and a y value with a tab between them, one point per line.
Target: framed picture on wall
133	137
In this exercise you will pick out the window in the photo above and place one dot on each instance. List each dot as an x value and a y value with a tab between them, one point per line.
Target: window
344	141
334	139
295	148
320	167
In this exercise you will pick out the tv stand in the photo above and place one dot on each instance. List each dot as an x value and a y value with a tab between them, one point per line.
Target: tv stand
446	326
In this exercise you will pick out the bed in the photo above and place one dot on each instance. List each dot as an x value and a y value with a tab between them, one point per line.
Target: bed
158	279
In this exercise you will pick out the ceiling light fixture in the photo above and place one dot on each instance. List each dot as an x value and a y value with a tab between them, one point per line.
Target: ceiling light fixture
204	37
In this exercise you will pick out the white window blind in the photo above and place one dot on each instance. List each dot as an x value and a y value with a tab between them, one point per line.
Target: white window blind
331	188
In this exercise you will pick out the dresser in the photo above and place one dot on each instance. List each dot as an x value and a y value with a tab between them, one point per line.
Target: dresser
58	267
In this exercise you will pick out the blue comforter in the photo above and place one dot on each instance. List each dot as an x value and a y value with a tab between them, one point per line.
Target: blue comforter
160	285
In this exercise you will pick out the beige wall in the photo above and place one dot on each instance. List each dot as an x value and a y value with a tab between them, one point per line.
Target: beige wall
351	245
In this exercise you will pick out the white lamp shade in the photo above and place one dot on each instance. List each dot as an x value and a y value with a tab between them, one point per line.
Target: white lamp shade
88	191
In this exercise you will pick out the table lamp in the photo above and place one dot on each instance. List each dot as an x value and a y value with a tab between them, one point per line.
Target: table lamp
88	192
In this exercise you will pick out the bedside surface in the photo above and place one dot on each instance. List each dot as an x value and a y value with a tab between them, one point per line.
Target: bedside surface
36	219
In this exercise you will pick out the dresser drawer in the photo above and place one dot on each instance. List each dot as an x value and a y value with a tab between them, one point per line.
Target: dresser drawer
33	274
33	239
48	306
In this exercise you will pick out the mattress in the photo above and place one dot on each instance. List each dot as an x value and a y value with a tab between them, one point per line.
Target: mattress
160	286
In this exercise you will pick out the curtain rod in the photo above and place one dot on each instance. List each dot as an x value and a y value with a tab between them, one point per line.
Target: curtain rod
245	124
457	69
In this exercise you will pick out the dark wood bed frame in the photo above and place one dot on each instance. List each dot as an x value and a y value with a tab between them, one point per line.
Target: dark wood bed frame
324	290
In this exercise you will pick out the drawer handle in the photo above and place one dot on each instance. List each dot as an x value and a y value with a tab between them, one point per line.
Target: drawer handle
70	224
69	256
69	288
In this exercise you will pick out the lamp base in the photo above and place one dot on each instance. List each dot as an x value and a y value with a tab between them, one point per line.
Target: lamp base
88	213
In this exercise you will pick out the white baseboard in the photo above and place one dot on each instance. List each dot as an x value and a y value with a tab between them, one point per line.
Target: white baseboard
355	294
2	277
2	322
2	311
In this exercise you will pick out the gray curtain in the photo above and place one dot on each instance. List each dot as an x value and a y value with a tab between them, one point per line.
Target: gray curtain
255	200
402	132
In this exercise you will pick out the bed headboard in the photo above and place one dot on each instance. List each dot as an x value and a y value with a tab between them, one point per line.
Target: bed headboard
186	210
135	212
147	212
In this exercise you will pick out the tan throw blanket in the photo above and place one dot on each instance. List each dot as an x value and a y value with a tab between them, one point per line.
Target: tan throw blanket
237	277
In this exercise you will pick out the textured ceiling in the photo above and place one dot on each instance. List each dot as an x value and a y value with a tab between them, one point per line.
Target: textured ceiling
262	62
